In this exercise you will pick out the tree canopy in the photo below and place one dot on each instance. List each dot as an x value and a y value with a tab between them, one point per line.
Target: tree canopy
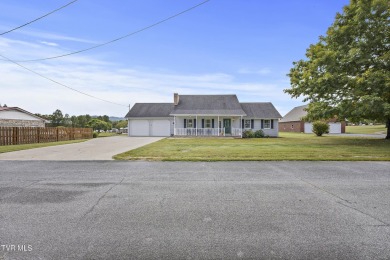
98	125
347	73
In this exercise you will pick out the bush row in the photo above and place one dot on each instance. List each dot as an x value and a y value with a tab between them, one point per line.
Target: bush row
251	134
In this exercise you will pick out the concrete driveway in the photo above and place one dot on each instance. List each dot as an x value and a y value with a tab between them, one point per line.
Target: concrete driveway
94	149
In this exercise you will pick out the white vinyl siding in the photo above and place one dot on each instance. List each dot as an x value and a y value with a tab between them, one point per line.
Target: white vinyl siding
271	132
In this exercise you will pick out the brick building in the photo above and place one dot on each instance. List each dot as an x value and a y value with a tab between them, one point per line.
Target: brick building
292	122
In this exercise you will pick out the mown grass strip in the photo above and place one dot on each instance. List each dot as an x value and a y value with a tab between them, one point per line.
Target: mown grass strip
290	146
366	129
19	147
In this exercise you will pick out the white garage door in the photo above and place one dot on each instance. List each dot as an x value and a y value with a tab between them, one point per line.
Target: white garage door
160	128
335	128
150	128
308	128
139	128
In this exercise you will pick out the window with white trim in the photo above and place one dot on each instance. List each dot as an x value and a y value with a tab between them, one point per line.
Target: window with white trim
207	123
247	123
267	124
190	123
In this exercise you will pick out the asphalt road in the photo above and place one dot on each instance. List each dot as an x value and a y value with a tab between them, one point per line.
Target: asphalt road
157	210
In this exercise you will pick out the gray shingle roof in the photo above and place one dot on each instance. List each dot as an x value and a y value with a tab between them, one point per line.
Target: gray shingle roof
260	110
295	114
208	105
150	110
205	105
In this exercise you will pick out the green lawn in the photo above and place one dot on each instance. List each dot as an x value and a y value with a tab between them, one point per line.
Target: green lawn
290	146
366	129
103	134
12	148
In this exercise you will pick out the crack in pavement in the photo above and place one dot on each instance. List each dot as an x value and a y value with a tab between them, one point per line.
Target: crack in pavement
366	214
340	198
101	197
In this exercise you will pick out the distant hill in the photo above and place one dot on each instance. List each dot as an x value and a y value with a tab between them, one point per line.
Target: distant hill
112	118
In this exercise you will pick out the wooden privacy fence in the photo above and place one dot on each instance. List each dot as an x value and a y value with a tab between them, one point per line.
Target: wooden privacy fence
32	135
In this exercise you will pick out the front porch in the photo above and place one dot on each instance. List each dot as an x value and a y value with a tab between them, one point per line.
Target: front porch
207	132
208	126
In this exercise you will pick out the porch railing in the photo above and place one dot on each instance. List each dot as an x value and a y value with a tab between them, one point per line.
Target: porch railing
206	132
236	131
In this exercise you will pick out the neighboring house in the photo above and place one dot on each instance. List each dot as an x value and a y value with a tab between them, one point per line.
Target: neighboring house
202	115
292	122
17	117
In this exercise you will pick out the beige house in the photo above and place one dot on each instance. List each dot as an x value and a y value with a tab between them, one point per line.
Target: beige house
17	117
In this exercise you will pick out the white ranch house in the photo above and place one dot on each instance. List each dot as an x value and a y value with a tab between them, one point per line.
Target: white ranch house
17	117
202	115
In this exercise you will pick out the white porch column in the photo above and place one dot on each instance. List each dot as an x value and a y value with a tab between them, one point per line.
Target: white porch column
174	125
241	126
218	124
196	126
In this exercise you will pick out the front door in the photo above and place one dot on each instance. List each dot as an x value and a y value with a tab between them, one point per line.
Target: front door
227	124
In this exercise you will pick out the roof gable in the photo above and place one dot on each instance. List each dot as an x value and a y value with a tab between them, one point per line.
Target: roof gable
208	105
19	110
295	114
260	110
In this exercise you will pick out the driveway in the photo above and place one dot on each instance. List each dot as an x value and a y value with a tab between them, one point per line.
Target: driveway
171	210
95	149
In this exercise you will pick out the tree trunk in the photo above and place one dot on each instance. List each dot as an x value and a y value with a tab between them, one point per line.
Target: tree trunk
388	128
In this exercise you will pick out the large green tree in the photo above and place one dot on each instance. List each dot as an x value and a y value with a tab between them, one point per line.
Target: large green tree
99	125
347	73
57	118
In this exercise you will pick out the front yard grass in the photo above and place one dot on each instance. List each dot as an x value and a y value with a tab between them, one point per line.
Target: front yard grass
18	147
366	129
289	146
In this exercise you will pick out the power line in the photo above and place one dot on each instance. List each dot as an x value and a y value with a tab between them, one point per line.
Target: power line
122	37
59	83
38	18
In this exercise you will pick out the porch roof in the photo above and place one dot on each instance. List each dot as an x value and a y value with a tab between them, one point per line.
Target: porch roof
208	105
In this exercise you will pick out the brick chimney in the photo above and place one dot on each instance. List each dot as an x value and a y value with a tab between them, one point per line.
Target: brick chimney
175	99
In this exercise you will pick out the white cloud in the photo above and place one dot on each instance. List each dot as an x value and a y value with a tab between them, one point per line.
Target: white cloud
49	43
53	36
263	71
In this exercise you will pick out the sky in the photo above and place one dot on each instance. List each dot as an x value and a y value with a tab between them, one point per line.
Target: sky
242	47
